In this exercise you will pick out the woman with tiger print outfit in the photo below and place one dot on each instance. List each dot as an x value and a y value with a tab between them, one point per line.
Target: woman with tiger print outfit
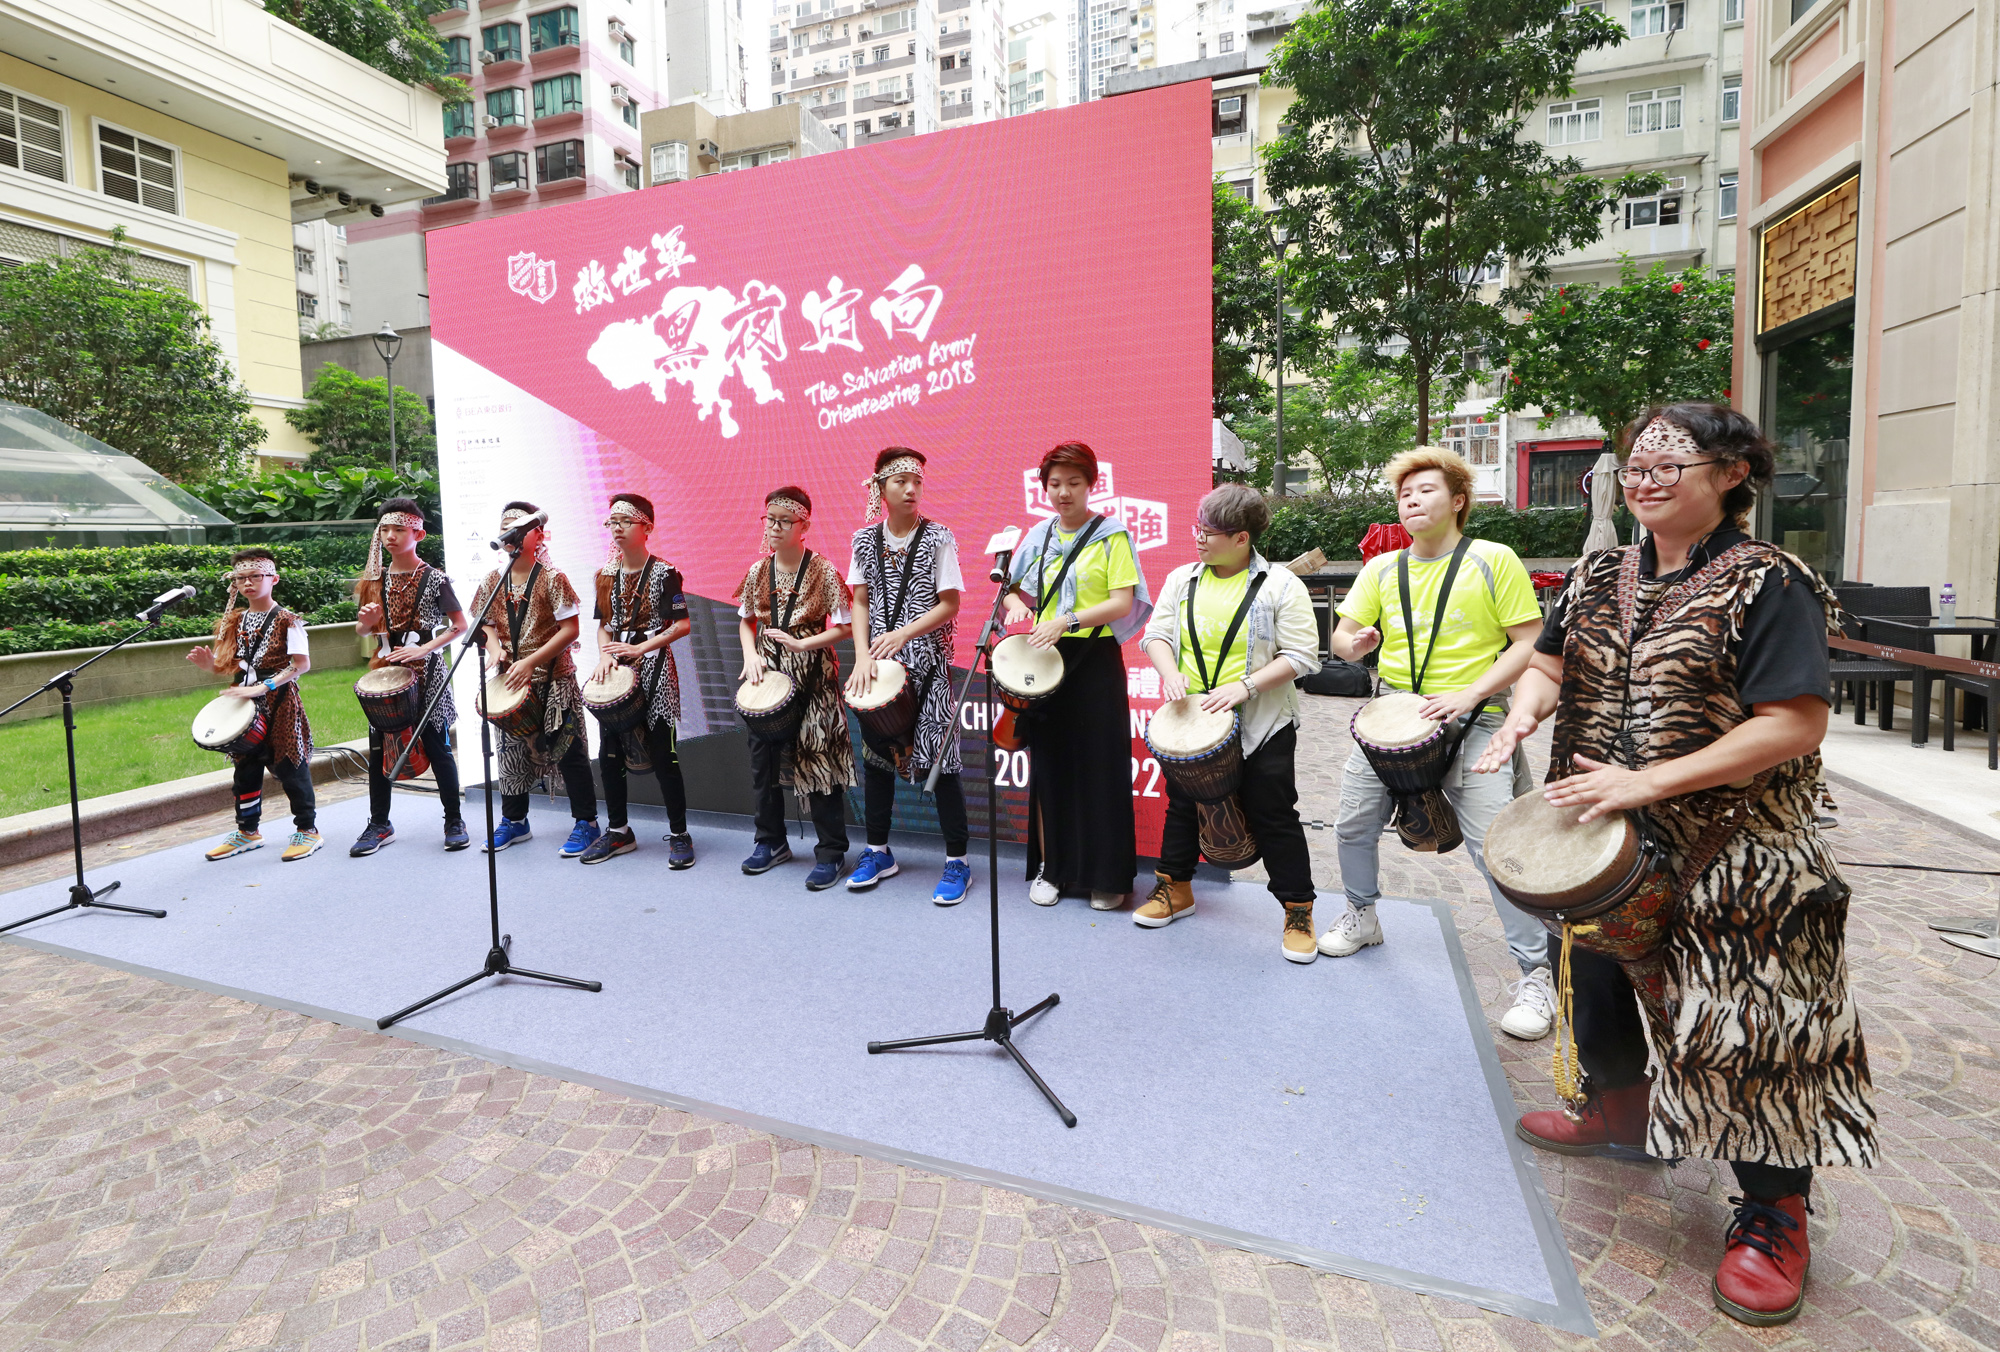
1688	677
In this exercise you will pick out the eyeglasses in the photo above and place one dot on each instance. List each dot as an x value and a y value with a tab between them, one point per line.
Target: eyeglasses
1666	476
1202	532
781	522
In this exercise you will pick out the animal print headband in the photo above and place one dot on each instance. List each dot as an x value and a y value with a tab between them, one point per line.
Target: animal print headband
1663	434
513	515
410	520
622	510
804	514
246	568
902	464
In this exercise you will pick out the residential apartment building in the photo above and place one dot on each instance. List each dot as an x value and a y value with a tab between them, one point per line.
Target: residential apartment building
1037	78
879	70
690	140
1666	101
1868	309
553	117
195	130
319	256
1126	36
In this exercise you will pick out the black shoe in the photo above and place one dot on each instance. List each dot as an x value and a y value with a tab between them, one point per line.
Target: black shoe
456	837
373	837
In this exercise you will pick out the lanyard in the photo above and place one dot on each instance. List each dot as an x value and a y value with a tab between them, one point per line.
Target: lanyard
263	637
1437	621
1042	593
409	626
618	598
518	615
771	587
1200	665
895	616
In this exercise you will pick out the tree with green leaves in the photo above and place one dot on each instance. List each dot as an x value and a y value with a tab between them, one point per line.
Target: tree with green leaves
1346	420
1401	171
394	36
1243	306
1611	351
129	361
347	418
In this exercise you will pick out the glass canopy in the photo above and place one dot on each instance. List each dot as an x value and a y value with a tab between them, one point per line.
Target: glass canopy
60	488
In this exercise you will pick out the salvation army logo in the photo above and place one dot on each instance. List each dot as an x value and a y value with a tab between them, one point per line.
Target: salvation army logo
532	276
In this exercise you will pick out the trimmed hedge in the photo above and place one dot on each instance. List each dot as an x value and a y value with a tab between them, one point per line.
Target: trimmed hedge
331	551
93	598
41	636
1299	524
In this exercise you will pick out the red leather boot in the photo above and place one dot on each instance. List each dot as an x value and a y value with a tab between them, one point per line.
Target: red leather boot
1614	1123
1765	1258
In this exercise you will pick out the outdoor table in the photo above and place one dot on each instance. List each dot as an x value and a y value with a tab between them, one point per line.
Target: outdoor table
1985	636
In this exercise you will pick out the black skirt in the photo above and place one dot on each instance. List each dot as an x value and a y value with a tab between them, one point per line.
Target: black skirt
1080	825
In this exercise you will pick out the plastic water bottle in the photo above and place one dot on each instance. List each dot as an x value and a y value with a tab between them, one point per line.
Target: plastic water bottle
1947	606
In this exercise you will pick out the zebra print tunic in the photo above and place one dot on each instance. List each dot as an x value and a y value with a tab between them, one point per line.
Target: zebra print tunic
1756	1033
927	657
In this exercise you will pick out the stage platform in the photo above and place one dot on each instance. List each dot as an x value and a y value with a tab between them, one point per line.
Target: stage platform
1349	1115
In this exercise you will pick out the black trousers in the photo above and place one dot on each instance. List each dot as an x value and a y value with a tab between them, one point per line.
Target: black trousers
1611	1045
1270	799
829	810
249	785
575	770
664	749
879	793
437	746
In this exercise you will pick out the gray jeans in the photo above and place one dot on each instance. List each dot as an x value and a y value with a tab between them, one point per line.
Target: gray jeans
1366	807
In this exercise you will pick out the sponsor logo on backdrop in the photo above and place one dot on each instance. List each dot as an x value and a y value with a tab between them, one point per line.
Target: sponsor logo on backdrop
532	276
703	338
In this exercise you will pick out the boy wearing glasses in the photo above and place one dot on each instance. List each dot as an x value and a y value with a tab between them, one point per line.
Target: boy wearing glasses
1235	633
794	608
1461	651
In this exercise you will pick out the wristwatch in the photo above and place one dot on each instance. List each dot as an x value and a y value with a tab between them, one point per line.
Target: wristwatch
271	685
1071	626
1249	687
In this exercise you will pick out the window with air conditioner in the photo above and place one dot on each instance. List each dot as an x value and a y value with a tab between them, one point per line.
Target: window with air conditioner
303	260
1661	209
562	160
501	41
31	136
458	56
1725	193
1648	110
1576	121
1649	20
670	161
509	172
552	28
308	305
1228	118
1732	98
558	94
134	169
506	108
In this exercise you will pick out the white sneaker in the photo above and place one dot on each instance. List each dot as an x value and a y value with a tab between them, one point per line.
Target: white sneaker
1355	930
1534	1010
1108	901
1043	892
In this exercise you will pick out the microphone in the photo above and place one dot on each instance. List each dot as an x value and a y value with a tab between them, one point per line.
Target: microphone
153	612
512	537
1001	547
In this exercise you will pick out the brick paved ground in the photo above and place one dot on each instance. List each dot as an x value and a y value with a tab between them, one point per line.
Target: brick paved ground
186	1171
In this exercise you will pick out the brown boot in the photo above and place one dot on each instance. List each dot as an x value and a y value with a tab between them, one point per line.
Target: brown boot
1300	946
1613	1123
1168	902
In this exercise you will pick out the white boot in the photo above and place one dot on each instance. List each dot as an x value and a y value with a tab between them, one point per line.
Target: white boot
1534	1008
1355	930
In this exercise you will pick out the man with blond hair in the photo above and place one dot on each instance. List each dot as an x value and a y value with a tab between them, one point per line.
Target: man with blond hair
1468	647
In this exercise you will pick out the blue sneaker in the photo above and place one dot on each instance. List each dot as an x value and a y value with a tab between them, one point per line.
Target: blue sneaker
824	875
680	850
764	858
581	837
875	865
952	886
508	832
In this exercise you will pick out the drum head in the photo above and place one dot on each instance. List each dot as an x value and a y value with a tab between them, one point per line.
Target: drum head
223	719
1181	728
1024	670
890	678
385	680
1537	848
1393	720
499	699
766	695
616	685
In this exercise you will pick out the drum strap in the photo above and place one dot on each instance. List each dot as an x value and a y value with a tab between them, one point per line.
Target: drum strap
791	603
518	615
1437	620
1229	638
621	622
1042	594
263	638
895	616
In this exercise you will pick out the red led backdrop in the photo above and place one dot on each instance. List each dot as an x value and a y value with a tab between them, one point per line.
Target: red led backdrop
979	294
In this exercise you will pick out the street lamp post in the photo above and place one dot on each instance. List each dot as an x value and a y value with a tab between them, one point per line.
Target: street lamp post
1280	241
388	342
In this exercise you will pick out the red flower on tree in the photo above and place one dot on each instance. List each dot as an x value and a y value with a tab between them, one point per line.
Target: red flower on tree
1675	288
1702	346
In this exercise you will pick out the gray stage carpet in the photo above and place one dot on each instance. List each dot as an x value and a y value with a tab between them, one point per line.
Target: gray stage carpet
1349	1115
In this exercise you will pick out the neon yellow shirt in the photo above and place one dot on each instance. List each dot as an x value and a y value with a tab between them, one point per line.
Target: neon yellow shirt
1215	603
1106	564
1491	592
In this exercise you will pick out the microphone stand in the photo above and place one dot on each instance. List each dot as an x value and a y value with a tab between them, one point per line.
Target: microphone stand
499	958
80	893
1000	1021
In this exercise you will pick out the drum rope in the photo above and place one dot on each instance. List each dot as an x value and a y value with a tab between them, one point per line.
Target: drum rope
1565	1068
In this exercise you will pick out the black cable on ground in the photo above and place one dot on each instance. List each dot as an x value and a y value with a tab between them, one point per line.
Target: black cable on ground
1922	868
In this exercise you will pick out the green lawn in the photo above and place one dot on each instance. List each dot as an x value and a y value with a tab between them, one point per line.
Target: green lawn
144	741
